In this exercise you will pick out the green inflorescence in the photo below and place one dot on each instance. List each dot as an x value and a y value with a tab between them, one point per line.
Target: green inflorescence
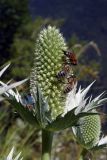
89	130
47	63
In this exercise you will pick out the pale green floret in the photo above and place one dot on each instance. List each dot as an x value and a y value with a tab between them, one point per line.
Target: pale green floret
47	63
89	130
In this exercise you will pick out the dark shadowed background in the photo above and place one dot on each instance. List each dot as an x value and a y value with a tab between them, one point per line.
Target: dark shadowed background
86	18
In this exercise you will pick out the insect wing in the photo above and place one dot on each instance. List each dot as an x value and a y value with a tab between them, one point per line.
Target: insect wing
73	59
71	56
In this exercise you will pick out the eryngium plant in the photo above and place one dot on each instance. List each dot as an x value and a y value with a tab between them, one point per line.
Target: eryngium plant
47	63
50	107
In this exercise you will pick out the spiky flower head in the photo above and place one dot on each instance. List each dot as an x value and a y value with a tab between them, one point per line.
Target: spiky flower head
47	63
88	131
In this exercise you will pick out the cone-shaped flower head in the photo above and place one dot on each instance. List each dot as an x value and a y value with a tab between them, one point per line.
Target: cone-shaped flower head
88	131
48	62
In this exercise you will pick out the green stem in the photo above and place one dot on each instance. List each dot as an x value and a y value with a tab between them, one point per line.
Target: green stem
47	138
85	154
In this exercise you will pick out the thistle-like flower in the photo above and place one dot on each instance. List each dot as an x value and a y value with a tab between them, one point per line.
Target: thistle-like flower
48	62
88	129
88	133
53	103
10	155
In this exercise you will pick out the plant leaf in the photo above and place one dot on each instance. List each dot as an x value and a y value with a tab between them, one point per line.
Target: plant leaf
25	113
99	147
41	108
69	120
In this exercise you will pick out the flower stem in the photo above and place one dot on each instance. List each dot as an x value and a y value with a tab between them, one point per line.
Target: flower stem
47	138
85	155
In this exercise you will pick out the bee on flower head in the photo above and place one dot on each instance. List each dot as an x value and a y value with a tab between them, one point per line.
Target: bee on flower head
71	82
71	57
72	79
67	89
63	73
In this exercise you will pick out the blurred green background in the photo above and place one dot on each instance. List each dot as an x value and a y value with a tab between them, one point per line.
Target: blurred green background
18	33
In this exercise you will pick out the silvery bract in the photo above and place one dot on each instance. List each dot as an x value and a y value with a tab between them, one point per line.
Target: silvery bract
5	87
11	155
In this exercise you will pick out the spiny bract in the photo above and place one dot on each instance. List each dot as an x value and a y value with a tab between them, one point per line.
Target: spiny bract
47	63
